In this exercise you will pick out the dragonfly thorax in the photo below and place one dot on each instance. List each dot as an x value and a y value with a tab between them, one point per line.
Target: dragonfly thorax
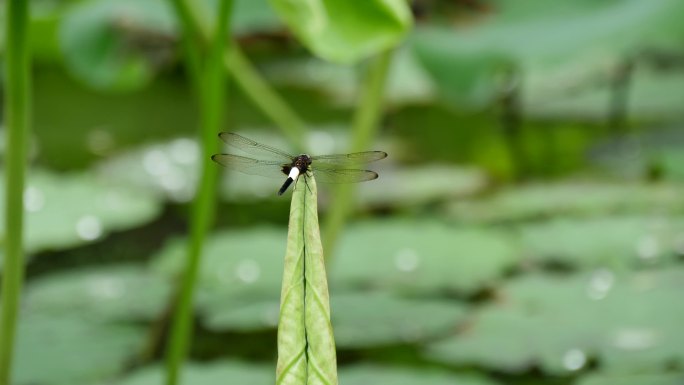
302	162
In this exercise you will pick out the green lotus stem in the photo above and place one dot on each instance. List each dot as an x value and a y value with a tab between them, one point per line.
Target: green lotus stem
247	77
306	346
364	130
263	95
209	78
17	78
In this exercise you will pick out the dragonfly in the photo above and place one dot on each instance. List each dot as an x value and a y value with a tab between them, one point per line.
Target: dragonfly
272	162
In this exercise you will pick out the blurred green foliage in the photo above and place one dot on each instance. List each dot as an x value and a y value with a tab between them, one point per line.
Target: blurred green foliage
69	210
341	31
527	227
559	50
558	324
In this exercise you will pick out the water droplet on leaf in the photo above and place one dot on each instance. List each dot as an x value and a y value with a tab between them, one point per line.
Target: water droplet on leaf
106	288
184	151
406	260
635	338
89	227
248	271
574	359
34	199
600	283
648	247
156	163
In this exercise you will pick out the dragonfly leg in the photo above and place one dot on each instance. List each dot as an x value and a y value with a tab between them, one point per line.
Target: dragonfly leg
306	182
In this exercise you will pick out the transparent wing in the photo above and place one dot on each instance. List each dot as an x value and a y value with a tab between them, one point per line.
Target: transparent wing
346	160
254	148
343	175
267	168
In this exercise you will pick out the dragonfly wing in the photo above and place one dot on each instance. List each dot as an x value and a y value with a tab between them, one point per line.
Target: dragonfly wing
267	168
342	160
344	175
254	148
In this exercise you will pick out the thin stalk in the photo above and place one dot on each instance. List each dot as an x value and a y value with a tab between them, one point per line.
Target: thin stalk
270	103
511	123
190	38
248	78
364	129
211	84
619	102
17	78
